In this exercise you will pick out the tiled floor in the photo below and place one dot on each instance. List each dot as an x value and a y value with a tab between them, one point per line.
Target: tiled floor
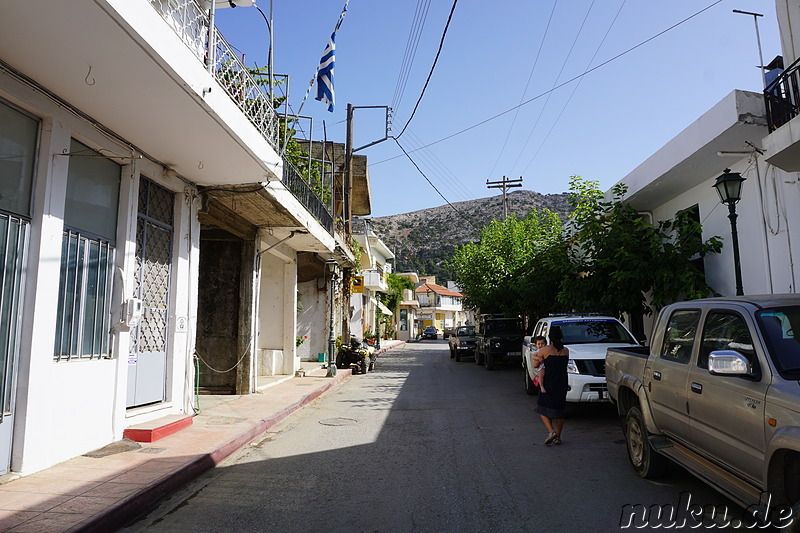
102	493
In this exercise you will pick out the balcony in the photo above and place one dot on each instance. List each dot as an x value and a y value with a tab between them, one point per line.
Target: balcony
374	281
191	24
782	101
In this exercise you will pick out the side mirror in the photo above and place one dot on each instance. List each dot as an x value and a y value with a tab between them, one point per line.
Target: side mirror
729	363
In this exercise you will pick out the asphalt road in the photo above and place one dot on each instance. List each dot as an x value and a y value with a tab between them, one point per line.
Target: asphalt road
425	444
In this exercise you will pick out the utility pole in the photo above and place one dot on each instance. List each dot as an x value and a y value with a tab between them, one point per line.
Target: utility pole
347	214
347	211
504	184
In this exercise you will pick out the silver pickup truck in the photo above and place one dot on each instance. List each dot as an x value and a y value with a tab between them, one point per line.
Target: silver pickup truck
718	392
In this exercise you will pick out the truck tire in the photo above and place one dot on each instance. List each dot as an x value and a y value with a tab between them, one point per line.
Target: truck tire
646	462
490	364
458	356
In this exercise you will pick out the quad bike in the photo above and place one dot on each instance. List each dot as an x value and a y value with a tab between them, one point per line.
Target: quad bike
356	354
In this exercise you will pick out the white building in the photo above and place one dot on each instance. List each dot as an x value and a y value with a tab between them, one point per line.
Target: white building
138	167
366	308
439	306
764	147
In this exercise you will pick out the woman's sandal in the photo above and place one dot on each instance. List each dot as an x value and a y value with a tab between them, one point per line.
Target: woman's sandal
557	440
551	438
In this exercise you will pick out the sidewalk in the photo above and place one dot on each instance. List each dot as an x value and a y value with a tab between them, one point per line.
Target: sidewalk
102	494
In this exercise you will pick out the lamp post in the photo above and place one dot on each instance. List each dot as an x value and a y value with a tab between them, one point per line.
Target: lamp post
333	270
729	187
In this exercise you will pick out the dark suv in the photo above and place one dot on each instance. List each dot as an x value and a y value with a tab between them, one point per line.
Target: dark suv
499	341
430	333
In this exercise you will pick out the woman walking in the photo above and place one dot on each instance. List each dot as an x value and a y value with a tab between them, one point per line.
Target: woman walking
551	404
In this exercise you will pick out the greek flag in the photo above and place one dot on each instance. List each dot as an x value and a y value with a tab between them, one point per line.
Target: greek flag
325	68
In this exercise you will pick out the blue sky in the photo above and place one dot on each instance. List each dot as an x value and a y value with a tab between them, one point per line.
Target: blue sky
600	128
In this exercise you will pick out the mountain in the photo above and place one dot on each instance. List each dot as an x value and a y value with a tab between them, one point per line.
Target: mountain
424	240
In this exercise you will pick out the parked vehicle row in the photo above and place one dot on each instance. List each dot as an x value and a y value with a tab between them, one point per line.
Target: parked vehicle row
717	391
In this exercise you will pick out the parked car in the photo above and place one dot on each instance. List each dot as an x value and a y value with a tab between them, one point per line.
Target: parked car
717	392
448	331
588	338
430	332
463	342
499	341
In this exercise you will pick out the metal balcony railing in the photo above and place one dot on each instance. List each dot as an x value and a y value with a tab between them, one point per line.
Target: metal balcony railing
191	23
293	181
782	97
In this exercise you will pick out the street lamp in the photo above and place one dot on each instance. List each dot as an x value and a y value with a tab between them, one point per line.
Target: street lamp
333	270
729	187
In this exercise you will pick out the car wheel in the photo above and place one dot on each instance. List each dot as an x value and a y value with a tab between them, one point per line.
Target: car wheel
452	353
490	362
530	388
458	356
646	462
478	358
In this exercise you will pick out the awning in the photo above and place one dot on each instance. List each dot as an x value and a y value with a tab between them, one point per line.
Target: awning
383	309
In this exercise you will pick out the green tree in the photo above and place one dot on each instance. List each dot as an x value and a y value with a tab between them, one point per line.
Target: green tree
516	266
617	257
396	284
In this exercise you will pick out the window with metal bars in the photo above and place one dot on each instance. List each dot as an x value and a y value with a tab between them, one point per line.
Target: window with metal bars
87	256
84	298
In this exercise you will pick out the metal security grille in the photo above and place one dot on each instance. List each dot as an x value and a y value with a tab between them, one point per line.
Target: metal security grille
84	299
13	251
153	266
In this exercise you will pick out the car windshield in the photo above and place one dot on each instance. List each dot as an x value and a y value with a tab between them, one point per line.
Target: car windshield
430	328
465	331
594	331
504	326
779	326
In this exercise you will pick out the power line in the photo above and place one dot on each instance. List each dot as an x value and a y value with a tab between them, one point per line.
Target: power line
435	60
525	91
579	76
417	25
547	101
459	213
574	90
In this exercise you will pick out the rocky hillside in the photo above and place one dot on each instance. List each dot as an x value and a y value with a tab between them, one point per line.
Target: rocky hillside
424	240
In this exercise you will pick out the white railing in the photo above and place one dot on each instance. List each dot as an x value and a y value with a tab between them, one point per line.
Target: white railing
191	24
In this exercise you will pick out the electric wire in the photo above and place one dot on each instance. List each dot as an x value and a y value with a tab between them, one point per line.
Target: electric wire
574	90
417	26
436	164
567	82
547	100
430	73
459	213
525	91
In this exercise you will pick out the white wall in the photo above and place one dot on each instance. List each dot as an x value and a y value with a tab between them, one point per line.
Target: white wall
81	403
312	320
277	312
